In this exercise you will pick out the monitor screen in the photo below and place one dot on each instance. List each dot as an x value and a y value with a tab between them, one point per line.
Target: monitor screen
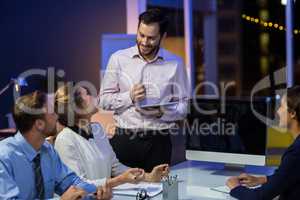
227	131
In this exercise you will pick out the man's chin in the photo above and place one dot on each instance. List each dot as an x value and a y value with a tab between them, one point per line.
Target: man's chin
51	133
146	53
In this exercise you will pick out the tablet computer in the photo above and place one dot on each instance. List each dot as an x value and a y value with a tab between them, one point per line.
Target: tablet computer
160	104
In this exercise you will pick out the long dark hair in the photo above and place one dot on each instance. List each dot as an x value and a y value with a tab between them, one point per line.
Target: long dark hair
293	100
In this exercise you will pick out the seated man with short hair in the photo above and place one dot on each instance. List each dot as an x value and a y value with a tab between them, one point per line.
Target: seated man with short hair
29	166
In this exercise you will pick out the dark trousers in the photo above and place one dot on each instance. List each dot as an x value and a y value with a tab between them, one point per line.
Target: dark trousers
142	149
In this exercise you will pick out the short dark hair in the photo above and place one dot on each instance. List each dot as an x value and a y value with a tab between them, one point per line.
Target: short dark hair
23	118
155	15
293	100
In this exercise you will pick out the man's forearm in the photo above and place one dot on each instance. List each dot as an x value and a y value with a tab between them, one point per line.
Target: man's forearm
115	101
113	182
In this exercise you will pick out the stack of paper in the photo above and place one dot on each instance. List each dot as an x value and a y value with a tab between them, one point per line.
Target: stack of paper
129	189
225	189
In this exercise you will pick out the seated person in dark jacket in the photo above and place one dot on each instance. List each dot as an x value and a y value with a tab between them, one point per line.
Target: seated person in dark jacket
285	182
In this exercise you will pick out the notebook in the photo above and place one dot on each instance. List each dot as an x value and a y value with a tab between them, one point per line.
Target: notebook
129	189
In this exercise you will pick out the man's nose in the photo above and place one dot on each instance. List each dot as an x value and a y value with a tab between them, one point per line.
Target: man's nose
145	41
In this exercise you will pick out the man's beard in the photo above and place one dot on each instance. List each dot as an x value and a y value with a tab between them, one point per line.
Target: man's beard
153	51
50	132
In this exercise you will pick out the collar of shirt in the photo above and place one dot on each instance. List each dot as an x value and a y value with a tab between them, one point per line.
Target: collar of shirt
294	145
87	135
136	54
297	140
28	150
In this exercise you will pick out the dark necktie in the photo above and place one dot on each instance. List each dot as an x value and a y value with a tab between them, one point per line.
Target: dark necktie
39	183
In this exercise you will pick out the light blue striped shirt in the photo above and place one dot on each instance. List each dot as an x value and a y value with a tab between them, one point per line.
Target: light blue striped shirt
17	174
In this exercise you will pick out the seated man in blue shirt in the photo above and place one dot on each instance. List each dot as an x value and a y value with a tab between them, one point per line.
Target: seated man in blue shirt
285	182
30	168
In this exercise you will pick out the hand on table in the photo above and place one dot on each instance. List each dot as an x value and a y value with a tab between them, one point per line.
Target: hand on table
73	193
251	181
104	192
233	182
245	180
133	175
157	173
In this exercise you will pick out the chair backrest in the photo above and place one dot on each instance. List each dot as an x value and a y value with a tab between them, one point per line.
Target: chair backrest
7	132
105	118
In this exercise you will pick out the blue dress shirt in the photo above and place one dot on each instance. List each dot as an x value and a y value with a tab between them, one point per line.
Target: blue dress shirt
17	174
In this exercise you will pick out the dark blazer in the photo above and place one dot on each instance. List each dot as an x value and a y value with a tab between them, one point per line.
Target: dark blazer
284	182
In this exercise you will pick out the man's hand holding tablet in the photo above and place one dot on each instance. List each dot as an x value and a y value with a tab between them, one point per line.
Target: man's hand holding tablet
154	108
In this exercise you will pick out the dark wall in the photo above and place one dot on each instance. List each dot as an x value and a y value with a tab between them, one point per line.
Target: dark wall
61	33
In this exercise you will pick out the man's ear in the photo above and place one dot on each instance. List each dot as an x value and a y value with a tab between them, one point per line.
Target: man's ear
39	124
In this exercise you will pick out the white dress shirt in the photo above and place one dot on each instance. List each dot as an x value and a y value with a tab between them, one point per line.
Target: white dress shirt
164	78
93	160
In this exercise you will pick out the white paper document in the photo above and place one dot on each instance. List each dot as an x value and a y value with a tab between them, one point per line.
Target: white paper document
129	189
223	189
205	192
226	189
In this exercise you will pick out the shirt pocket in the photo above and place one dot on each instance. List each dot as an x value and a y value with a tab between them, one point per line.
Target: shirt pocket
164	82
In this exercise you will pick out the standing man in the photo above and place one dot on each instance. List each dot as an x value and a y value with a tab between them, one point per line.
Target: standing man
30	168
137	75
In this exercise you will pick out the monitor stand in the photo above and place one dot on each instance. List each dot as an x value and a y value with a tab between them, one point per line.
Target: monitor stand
231	170
234	167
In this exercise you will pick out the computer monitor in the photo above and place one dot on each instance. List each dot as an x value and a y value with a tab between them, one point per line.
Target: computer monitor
227	131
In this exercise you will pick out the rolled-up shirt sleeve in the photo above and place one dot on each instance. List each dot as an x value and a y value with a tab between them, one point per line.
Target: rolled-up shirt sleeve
180	91
68	152
117	167
65	178
110	96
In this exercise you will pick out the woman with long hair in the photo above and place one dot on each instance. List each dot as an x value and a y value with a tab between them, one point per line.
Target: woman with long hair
285	182
84	146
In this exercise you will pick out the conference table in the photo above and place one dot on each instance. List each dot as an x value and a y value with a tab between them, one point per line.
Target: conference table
196	178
